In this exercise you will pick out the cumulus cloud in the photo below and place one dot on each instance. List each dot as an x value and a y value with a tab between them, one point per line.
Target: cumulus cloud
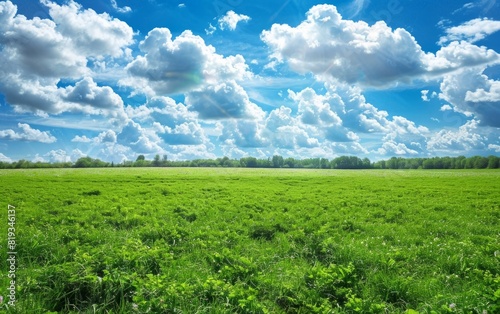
458	55
124	9
85	96
35	48
244	133
404	137
26	133
333	48
284	130
223	101
231	20
167	123
117	153
139	139
317	109
338	121
400	126
490	93
86	92
471	92
424	95
187	133
392	147
471	31
321	112
107	36
164	110
210	30
189	152
58	156
81	139
464	139
107	137
445	108
37	53
171	66
186	64
494	147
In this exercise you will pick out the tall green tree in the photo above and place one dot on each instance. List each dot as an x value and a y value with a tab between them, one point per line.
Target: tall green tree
157	161
278	161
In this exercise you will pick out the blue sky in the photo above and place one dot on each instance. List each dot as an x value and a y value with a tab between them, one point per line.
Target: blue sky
113	79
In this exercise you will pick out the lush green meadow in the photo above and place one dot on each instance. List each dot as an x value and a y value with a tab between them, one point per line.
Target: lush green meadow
184	240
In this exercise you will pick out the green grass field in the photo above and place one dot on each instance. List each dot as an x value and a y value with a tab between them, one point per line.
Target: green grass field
183	240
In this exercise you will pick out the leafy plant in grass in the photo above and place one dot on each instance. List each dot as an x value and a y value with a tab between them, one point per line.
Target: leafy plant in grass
230	298
492	291
233	268
158	294
334	282
72	287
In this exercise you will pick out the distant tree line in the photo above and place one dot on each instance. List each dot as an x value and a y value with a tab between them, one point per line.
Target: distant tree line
342	162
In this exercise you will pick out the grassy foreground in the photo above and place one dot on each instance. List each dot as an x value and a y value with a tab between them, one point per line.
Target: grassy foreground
252	241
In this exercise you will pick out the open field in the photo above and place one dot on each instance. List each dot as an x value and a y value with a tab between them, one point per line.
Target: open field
146	240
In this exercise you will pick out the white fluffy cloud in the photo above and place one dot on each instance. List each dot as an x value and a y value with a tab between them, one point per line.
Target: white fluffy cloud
81	139
471	92
223	101
331	47
231	20
283	131
103	137
58	156
464	139
86	93
163	110
124	9
187	133
171	66
189	152
488	94
459	55
316	109
425	92
107	36
37	53
27	133
35	48
185	64
471	31
85	96
340	121
391	148
494	147
172	122
141	140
